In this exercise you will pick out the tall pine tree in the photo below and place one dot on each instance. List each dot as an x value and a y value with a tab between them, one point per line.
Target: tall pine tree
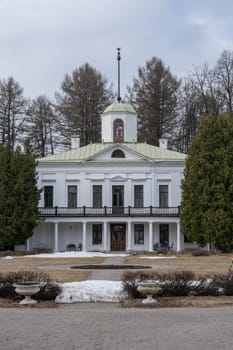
206	207
154	95
84	96
19	195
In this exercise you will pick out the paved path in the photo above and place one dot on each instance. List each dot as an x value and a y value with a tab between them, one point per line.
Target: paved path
112	274
108	275
115	275
98	326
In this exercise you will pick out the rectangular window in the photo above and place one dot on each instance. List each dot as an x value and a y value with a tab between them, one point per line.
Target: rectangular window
138	196
48	196
72	196
97	196
97	233
164	235
139	234
163	196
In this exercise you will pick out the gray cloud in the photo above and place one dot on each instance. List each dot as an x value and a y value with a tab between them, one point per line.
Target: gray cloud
42	40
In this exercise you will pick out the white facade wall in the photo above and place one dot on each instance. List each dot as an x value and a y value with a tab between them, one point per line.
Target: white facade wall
84	176
116	174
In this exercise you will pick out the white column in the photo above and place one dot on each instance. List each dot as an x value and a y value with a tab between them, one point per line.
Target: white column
56	237
105	235
150	236
84	236
129	246
178	237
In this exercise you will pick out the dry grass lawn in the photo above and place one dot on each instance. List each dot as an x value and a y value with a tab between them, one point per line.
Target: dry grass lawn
197	264
57	268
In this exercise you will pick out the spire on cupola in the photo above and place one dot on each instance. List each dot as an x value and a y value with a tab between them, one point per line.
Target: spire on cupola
119	76
119	120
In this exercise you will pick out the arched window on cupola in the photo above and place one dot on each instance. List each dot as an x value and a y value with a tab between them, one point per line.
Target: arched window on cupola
118	153
118	130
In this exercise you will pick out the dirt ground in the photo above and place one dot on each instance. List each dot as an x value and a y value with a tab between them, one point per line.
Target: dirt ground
202	301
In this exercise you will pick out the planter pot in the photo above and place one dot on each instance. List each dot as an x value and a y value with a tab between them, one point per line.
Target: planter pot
149	289
27	289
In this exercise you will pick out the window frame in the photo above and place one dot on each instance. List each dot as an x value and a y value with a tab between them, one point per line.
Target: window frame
48	196
72	196
139	234
163	201
97	234
97	202
118	153
138	196
118	130
164	235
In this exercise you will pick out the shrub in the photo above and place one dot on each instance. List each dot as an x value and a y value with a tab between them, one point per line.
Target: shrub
207	286
130	281
177	283
200	253
180	283
225	283
48	291
173	283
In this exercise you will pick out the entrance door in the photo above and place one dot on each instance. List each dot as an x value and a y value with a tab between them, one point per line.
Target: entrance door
117	199
118	237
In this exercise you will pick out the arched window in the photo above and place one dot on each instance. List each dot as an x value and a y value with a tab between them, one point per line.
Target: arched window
118	153
118	130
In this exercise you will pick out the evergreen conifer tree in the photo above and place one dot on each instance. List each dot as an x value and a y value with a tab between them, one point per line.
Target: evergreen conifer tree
19	195
207	197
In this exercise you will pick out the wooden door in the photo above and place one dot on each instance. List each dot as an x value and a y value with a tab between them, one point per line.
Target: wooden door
118	237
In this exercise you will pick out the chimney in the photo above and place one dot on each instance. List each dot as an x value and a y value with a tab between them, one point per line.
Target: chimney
75	142
163	143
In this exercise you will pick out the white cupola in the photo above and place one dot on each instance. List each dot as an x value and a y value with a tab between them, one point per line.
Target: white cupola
119	123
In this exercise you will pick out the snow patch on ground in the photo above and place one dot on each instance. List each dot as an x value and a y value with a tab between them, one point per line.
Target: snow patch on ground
74	255
91	291
157	257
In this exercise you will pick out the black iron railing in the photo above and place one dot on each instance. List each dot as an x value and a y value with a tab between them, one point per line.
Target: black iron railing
109	211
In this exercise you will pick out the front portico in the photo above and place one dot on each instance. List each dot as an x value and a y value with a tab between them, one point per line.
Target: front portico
110	234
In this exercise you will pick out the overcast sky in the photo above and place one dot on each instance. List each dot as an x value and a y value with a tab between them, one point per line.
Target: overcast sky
42	40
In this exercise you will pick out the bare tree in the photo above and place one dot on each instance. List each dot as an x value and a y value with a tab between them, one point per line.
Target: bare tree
83	98
200	96
154	95
41	126
224	78
12	112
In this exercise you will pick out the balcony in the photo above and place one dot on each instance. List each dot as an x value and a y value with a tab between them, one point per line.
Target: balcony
110	212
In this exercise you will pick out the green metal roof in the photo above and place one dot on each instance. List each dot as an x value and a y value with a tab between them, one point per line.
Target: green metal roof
89	152
119	107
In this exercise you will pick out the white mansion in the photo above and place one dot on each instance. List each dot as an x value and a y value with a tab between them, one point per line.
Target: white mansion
118	195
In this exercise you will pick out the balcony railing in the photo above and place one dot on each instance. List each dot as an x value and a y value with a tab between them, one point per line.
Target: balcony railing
109	211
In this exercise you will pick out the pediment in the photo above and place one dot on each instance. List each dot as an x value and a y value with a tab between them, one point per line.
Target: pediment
124	152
